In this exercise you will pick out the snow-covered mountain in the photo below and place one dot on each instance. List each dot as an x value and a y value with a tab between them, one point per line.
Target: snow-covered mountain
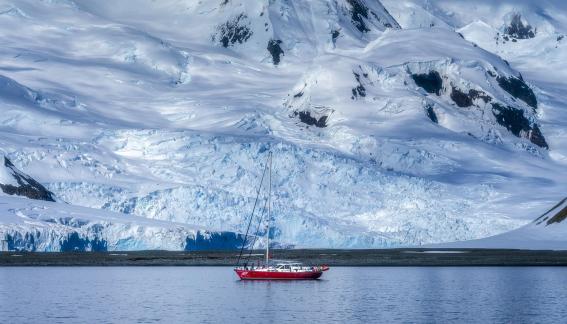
392	123
530	35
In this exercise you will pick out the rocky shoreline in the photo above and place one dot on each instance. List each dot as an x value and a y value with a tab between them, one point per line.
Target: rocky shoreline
374	257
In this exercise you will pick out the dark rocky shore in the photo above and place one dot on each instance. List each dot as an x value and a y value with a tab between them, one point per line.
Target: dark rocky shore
385	257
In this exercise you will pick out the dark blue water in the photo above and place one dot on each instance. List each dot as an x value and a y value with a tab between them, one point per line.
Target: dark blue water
214	295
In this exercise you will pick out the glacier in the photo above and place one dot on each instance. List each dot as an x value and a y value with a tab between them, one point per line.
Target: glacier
42	226
166	113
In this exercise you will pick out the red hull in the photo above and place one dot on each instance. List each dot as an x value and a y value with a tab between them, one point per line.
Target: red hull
276	275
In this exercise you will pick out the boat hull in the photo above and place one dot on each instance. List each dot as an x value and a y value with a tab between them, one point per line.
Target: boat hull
276	275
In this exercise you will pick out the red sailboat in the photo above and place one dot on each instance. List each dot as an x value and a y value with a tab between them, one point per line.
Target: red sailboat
284	270
280	270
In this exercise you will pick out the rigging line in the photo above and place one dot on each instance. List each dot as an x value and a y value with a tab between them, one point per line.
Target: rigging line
269	212
252	216
257	229
266	207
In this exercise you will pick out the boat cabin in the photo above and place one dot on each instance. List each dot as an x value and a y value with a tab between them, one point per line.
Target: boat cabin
290	267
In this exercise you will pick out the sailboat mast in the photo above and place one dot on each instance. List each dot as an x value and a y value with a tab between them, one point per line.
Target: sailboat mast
269	209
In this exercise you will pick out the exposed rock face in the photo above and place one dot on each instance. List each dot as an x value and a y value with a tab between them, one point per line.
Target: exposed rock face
301	106
518	89
334	35
26	186
359	90
236	30
359	12
512	118
275	50
431	114
517	29
559	217
515	121
556	214
463	99
460	98
430	82
536	137
306	118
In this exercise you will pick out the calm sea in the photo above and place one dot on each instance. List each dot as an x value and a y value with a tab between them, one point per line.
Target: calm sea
349	294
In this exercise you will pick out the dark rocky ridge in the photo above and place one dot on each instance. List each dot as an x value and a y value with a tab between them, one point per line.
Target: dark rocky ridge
334	35
511	118
463	99
27	186
460	98
306	118
518	89
234	31
559	217
515	121
537	137
517	29
431	114
556	217
430	82
359	12
275	50
359	90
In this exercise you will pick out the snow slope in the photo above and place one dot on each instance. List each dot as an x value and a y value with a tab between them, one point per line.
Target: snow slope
167	110
547	232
